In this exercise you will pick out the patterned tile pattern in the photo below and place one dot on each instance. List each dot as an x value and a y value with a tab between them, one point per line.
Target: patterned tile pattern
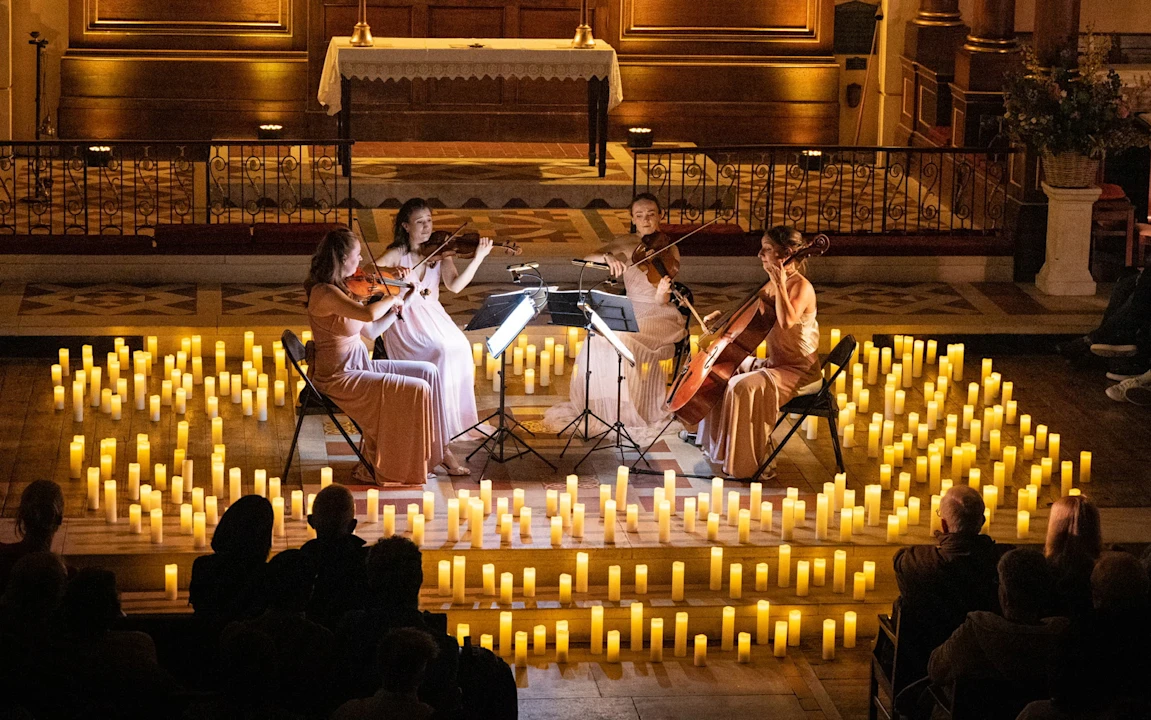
109	299
892	299
263	299
558	229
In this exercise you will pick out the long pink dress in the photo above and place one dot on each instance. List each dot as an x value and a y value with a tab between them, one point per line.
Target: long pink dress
644	388
737	432
396	403
429	334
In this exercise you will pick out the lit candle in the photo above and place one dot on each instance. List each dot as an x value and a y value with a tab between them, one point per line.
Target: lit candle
689	515
171	572
636	635
521	648
633	518
802	575
110	501
839	571
157	525
211	512
613	583
561	641
700	650
713	527
681	634
716	575
846	518
608	522
677	573
783	570
1023	524
621	479
596	638
656	640
1085	466
529	381
526	522
794	627
557	531
507	582
459	566
389	521
665	523
735	581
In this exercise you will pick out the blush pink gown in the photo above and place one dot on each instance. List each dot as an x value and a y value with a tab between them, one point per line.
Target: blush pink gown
429	334
737	432
398	404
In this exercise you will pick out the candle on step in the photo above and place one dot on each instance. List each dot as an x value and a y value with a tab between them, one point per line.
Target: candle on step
716	574
171	572
507	585
621	480
156	524
839	571
608	522
677	575
783	569
802	577
557	531
655	642
700	650
1085	466
735	581
521	648
712	527
1023	524
613	583
665	523
794	627
636	634
539	640
561	641
459	566
596	638
633	518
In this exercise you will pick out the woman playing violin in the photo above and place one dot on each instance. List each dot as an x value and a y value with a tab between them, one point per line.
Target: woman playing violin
660	326
399	404
428	332
737	432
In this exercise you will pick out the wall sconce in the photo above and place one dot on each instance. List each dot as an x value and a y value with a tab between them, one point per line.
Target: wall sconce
271	131
98	156
640	137
812	160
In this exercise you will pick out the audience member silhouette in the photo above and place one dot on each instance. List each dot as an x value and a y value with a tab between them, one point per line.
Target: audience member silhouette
1104	664
303	651
1074	541
38	518
939	584
403	660
395	574
228	584
29	640
1012	655
107	665
338	555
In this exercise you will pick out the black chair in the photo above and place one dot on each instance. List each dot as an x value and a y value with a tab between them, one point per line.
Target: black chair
820	403
982	699
885	682
314	402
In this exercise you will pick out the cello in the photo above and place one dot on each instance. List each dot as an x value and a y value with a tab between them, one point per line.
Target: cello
703	381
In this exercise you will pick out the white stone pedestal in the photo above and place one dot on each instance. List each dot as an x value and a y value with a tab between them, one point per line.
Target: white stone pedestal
1067	268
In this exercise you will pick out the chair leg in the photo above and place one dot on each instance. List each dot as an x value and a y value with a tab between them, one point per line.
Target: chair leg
295	437
348	439
835	442
779	446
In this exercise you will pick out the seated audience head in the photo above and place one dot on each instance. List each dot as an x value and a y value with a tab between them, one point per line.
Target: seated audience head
395	572
404	655
335	258
1025	585
41	512
91	603
245	530
290	578
35	586
247	658
333	512
961	511
1119	585
1073	530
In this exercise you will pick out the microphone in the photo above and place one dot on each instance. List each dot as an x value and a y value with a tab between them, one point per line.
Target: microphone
590	264
522	267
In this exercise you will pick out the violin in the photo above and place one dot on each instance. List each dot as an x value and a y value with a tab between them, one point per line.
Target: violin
443	244
657	258
701	384
380	284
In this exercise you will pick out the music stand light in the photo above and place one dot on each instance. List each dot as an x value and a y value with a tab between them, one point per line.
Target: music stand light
608	334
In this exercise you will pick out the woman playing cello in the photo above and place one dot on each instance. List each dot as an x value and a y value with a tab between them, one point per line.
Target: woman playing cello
398	404
737	432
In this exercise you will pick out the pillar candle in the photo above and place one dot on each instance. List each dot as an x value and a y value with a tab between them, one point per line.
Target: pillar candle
110	501
802	577
700	650
1085	466
787	520
633	518
476	522
557	531
783	570
794	627
157	525
389	521
1023	524
677	575
530	583
716	575
655	641
453	520
171	572
298	504
526	522
507	585
609	522
489	579
636	634
596	637
613	583
561	641
211	510
444	586
621	480
664	512
839	571
199	529
735	581
459	566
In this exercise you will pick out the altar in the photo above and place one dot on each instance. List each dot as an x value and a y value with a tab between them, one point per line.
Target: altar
452	58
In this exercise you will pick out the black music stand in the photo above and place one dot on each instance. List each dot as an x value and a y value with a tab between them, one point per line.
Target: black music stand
509	313
614	313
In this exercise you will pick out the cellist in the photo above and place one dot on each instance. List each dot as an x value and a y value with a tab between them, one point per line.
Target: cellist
661	326
737	432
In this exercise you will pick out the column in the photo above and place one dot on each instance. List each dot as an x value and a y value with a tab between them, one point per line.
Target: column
1066	270
933	36
889	61
1056	27
980	65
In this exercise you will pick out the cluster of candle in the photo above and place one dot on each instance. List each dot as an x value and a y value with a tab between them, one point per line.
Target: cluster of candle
523	359
182	373
648	633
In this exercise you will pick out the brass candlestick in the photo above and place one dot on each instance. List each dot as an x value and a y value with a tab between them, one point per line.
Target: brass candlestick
362	32
583	36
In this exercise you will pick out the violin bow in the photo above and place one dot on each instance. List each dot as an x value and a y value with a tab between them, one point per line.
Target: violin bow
376	269
443	245
670	245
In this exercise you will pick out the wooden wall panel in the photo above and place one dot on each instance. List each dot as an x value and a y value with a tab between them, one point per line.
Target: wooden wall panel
699	70
465	22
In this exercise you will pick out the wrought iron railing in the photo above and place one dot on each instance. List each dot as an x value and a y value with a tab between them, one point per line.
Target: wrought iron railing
131	187
830	189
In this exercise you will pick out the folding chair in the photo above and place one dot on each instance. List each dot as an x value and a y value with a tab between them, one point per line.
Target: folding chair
314	402
820	403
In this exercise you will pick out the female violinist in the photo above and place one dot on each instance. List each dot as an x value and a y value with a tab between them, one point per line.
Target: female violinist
428	332
737	432
398	404
661	326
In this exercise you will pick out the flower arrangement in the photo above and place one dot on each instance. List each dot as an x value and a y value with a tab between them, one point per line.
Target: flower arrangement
1077	106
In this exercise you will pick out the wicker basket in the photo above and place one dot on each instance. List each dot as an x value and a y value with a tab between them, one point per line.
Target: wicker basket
1069	170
